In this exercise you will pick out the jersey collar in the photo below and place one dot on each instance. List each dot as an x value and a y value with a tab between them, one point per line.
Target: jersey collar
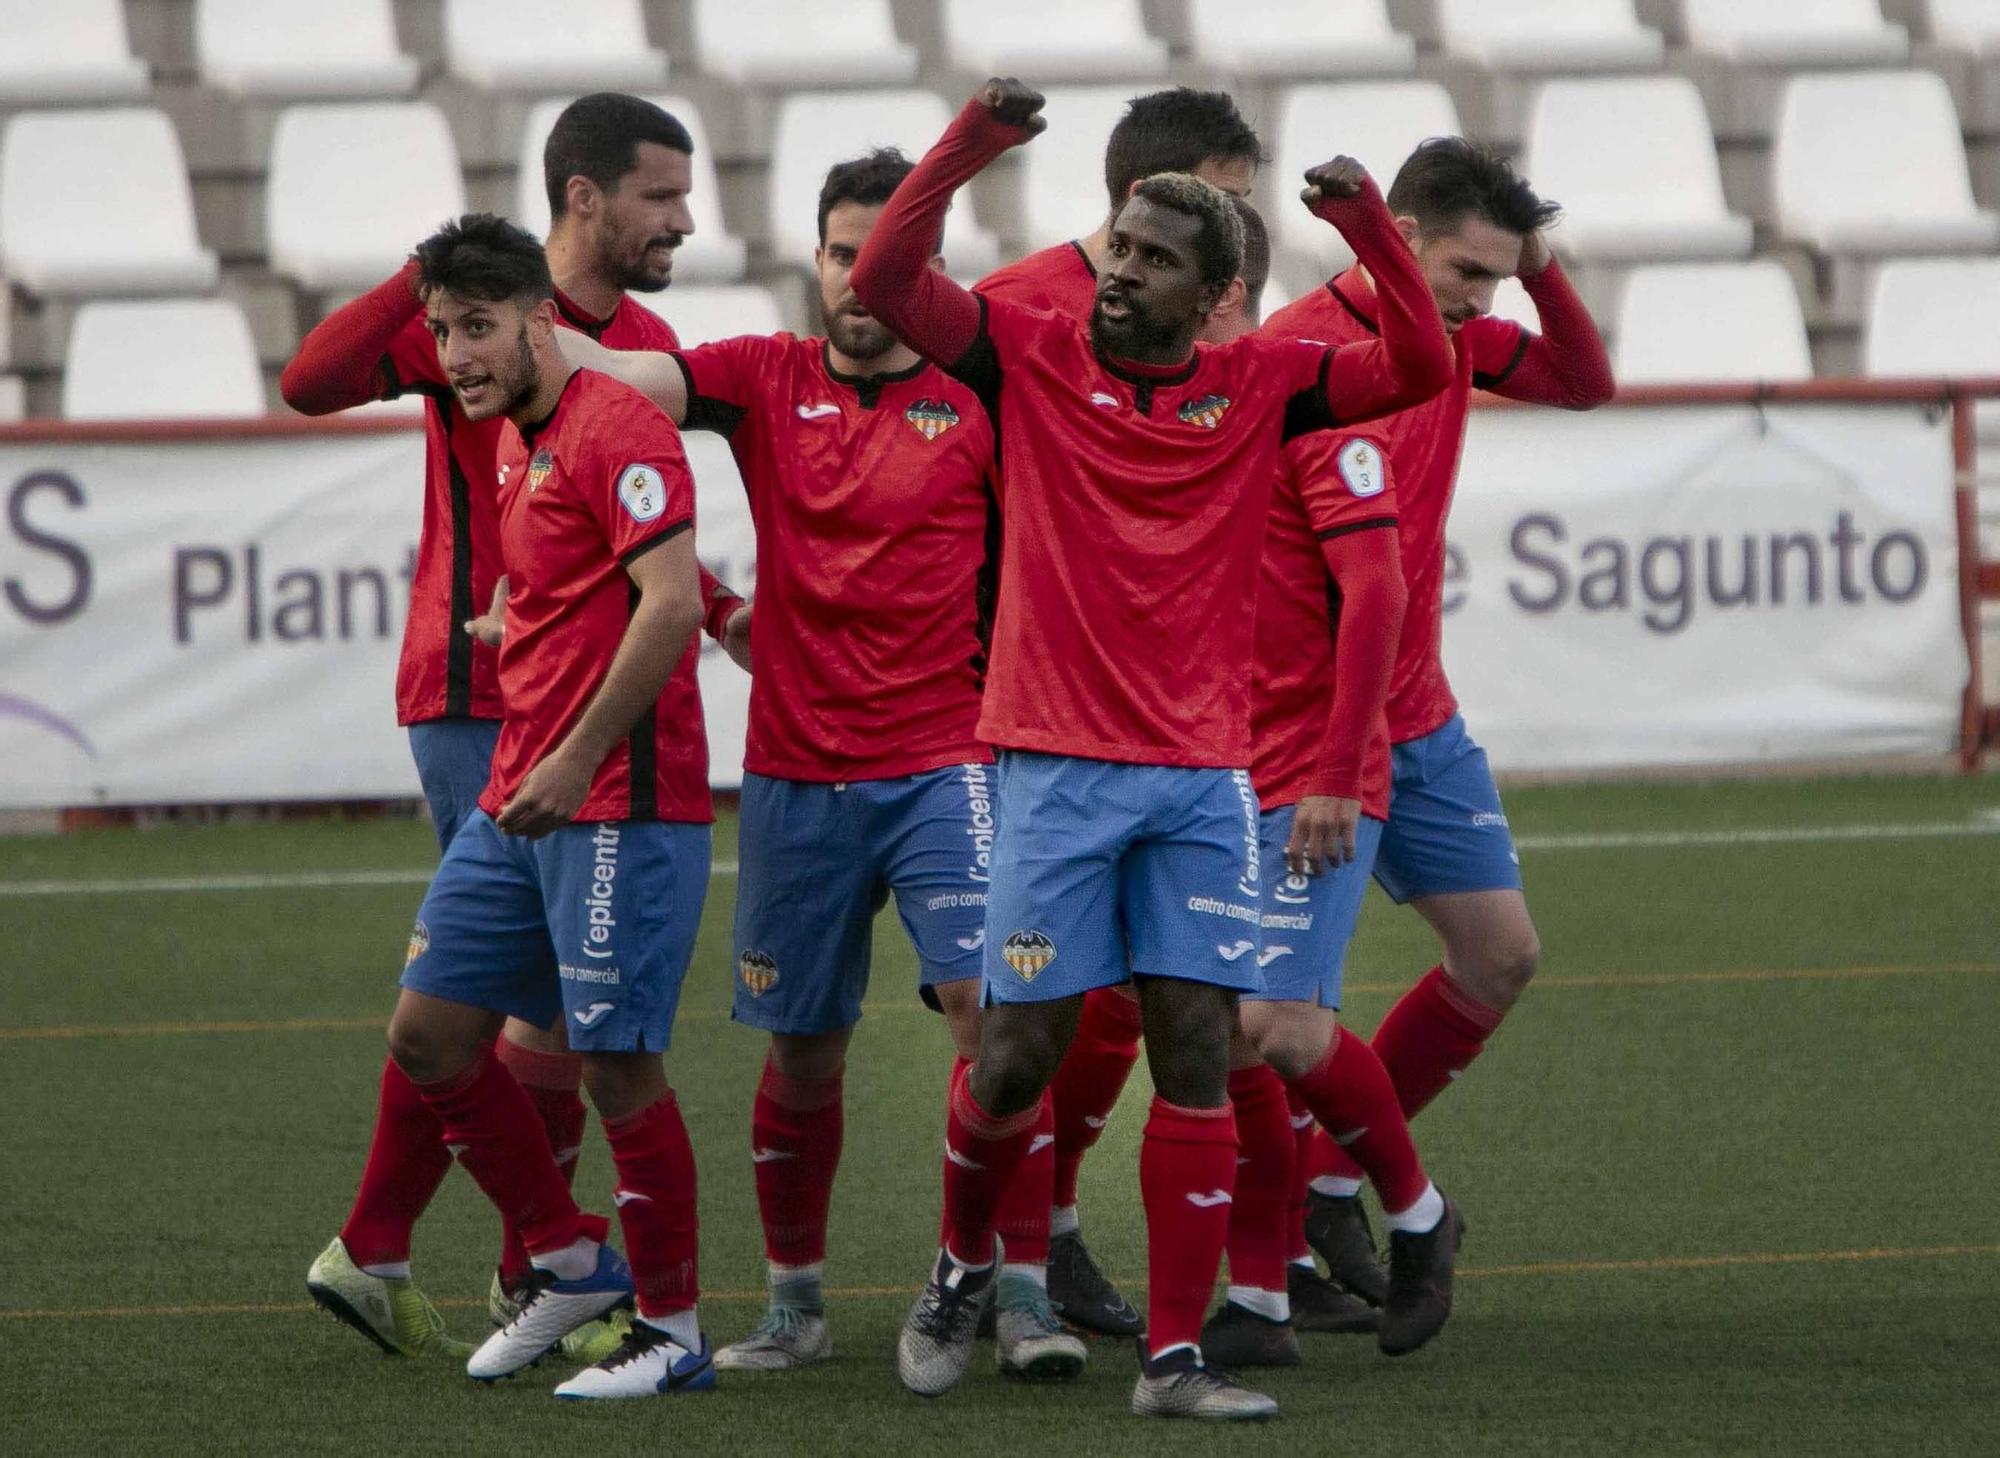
1354	293
1135	373
574	316
535	428
868	388
1083	257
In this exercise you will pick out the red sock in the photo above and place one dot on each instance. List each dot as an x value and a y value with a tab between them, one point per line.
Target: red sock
1187	1168
656	1205
981	1154
1260	1216
1430	1037
552	1082
1089	1080
1022	1217
959	1064
407	1161
796	1126
491	1126
1324	1157
1304	1128
1351	1096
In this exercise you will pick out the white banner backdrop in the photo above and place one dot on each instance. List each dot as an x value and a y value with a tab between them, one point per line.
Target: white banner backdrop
218	619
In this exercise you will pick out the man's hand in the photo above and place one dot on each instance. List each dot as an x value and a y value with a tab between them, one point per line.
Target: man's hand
548	798
489	627
1333	181
1322	831
1535	255
736	637
1015	104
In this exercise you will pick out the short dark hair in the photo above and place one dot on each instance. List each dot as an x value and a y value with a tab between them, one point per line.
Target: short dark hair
1448	179
1219	245
1175	131
480	256
598	137
867	180
1255	270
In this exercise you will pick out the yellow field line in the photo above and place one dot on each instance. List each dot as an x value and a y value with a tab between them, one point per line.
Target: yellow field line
852	1293
62	1032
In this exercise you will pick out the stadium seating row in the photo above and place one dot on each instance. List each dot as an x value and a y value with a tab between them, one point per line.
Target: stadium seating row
293	49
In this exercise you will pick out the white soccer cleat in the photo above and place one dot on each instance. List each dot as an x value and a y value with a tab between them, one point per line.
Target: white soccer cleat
548	1310
649	1364
936	1345
1030	1343
1177	1385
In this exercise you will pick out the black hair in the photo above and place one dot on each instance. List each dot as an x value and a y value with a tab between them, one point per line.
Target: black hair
598	137
1219	245
1175	131
1448	179
868	180
480	256
1255	270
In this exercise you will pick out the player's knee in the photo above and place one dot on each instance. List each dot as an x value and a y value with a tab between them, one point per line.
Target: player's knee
419	1051
819	1055
1504	967
1187	1040
1291	1047
1017	1060
622	1084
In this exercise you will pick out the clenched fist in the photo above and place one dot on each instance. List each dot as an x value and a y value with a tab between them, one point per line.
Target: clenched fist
1014	103
1333	181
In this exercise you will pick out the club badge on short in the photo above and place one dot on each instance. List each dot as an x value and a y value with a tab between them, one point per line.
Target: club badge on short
759	972
642	492
1028	952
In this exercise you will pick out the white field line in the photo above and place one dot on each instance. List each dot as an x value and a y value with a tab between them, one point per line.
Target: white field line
1987	824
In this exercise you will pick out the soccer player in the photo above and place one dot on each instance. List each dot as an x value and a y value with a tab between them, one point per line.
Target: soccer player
869	475
1136	472
574	890
1176	130
1446	850
617	170
1329	615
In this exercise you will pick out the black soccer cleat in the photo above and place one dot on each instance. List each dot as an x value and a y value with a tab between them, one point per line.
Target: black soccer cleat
1420	1270
1239	1337
1081	1294
1337	1227
1322	1305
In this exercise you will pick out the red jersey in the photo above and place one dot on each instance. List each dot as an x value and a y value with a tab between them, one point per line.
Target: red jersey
1333	483
599	482
443	672
875	525
1058	280
1567	366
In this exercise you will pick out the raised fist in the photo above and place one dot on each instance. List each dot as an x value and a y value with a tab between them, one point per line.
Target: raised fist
1015	104
1340	178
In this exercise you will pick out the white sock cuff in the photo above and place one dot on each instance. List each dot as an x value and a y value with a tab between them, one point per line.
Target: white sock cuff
1026	1271
388	1270
1063	1220
1271	1305
1339	1186
1422	1217
573	1262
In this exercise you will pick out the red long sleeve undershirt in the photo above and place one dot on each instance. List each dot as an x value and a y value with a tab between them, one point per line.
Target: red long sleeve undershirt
339	364
1566	364
1367	568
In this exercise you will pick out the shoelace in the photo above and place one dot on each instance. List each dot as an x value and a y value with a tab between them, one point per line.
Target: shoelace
639	1341
782	1324
1032	1301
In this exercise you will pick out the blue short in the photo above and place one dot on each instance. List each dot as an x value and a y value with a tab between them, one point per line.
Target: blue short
594	924
454	760
1102	871
818	861
1309	920
1446	829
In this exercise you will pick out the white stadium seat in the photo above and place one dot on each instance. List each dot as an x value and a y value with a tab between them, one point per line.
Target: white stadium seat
98	202
1873	162
1062	173
1727	322
161	359
788	43
710	254
1795	32
1274	298
719	311
1511	301
66	50
1966	25
528	45
1934	316
1051	40
354	186
13	399
1547	35
1601	148
814	130
1379	123
294	52
1298	38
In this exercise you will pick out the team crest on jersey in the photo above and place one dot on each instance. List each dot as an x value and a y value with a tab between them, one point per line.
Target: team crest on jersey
932	418
420	942
759	972
543	462
1028	952
1207	412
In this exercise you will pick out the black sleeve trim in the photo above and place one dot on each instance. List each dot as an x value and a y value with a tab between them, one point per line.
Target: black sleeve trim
633	553
705	412
393	387
979	366
1483	381
1369	525
1308	410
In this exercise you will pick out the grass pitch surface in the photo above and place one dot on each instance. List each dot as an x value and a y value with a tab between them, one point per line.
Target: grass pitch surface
1731	1168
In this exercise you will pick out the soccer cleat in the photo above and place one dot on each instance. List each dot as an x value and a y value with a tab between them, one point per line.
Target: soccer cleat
1337	1227
1420	1269
1177	1385
1322	1305
591	1342
550	1310
1082	1295
393	1314
1239	1337
936	1345
1032	1344
648	1363
787	1337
